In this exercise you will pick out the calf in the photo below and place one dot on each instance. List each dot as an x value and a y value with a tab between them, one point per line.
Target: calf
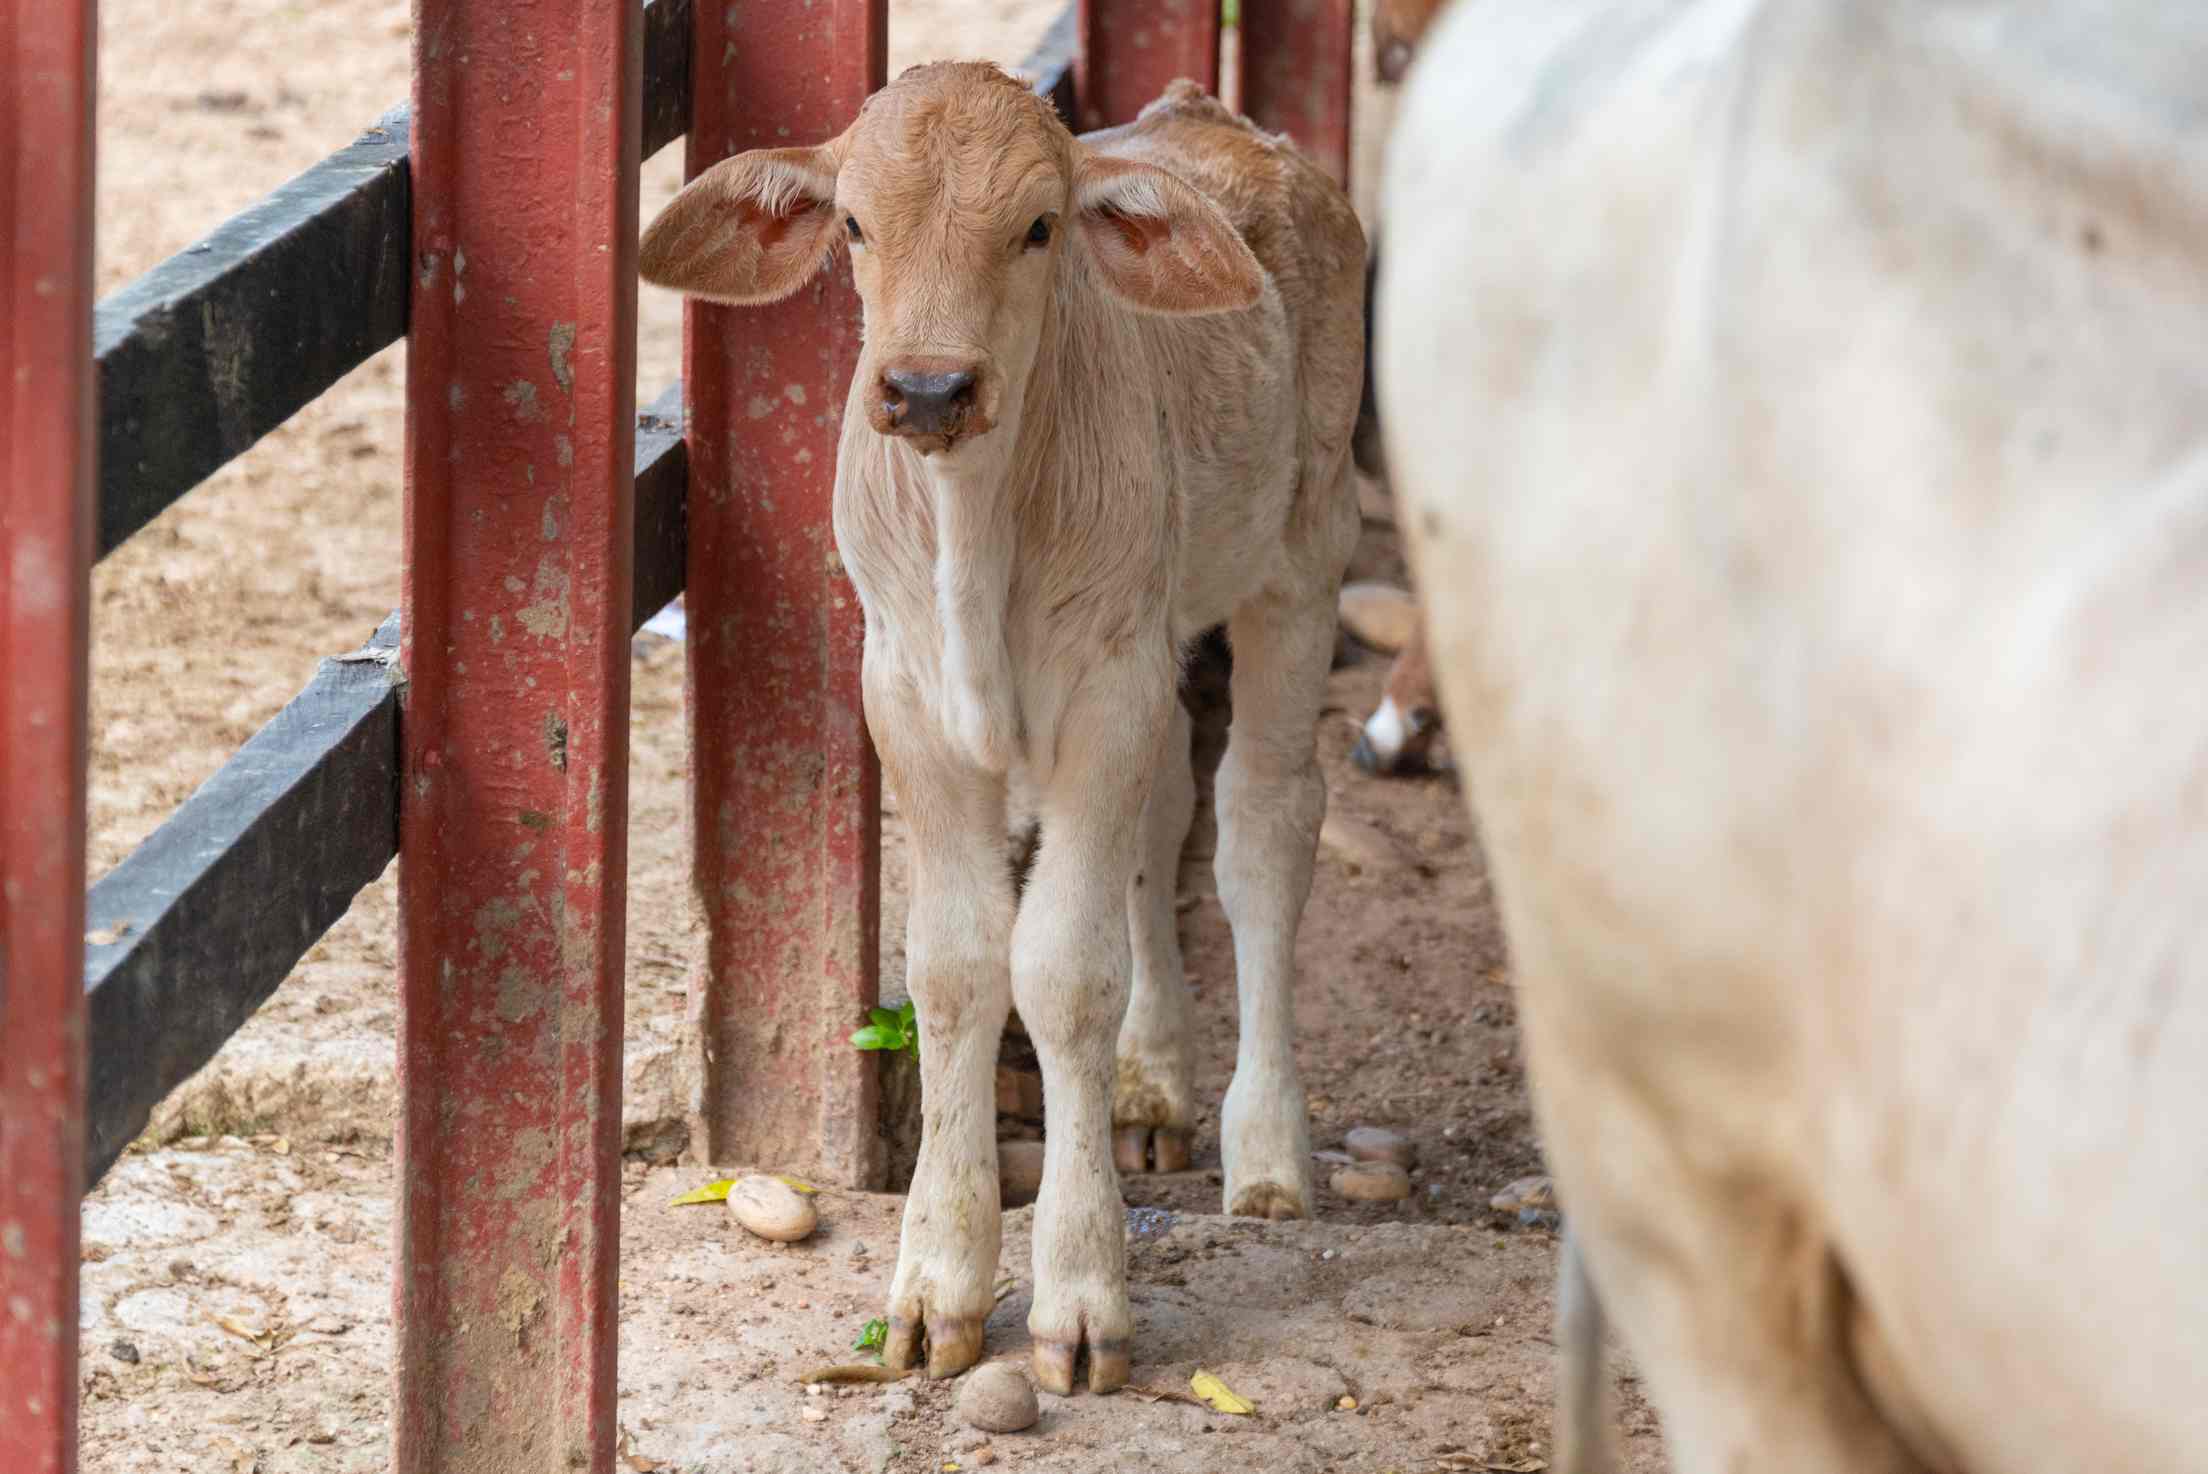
1105	403
1801	414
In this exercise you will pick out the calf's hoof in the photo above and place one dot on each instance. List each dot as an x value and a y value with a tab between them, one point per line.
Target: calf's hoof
1055	1360
1269	1200
1139	1149
950	1343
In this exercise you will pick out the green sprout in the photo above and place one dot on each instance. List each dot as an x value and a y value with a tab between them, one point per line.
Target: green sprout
890	1029
1230	12
871	1337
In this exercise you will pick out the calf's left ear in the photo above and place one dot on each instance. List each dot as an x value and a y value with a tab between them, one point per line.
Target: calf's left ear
1162	246
750	229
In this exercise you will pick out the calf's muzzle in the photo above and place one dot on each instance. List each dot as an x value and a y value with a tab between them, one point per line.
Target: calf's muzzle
929	402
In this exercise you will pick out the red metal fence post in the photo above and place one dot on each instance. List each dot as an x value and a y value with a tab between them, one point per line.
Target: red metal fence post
521	368
1296	74
46	99
1130	49
786	794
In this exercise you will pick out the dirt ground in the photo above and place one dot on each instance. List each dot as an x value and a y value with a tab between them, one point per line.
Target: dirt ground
236	1295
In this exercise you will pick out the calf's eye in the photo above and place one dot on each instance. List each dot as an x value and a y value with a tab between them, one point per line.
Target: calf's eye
851	228
1038	234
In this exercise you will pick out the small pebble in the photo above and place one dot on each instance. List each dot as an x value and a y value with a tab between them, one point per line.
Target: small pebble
123	1351
1373	1182
1537	1193
1378	1144
997	1398
815	1415
984	1456
771	1209
1347	1403
1327	1253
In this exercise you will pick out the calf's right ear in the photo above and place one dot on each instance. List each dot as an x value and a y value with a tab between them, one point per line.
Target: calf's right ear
750	229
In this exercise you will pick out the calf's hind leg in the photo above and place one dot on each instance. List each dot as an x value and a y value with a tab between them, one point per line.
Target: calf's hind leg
1153	1099
1271	799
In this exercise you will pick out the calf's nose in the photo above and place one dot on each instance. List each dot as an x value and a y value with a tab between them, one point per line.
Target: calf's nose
927	403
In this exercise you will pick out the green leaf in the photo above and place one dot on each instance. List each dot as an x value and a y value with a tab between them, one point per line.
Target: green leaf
871	1336
712	1192
885	1018
909	1016
874	1036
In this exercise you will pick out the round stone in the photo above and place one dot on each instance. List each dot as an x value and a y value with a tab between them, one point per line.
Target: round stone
996	1397
772	1209
1372	1182
1378	1144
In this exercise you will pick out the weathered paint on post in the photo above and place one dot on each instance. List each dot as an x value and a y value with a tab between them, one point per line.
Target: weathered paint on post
1296	74
785	792
46	93
514	783
1130	50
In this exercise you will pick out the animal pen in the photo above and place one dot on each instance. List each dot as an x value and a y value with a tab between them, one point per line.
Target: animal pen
481	732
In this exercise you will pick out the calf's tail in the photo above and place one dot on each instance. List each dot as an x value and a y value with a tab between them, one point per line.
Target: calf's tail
1364	442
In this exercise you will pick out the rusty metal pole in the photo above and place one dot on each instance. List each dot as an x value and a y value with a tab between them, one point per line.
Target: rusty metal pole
521	368
1296	74
785	791
1130	50
46	419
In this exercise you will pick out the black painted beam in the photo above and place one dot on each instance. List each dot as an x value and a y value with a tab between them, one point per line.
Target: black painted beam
662	515
221	343
206	919
196	928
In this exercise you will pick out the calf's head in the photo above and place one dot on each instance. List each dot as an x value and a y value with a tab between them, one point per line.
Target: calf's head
965	206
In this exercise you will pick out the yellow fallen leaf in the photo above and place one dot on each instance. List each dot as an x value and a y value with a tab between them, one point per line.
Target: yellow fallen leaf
789	1182
712	1192
1218	1396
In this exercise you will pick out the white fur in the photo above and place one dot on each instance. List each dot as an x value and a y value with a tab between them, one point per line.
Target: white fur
1802	418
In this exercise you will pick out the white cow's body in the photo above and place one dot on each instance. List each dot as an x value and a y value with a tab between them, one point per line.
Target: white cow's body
1802	409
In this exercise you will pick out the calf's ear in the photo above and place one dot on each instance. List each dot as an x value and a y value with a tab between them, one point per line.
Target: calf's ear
750	229
1161	246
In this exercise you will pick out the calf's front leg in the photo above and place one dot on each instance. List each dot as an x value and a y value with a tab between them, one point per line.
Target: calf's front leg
1070	971
957	944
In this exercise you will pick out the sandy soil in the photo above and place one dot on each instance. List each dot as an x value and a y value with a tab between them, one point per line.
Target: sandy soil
262	1199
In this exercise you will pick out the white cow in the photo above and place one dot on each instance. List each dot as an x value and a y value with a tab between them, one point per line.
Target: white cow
1802	414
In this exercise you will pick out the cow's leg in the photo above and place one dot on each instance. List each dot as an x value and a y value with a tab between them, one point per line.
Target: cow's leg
957	946
1722	1281
1070	964
1152	1102
1271	798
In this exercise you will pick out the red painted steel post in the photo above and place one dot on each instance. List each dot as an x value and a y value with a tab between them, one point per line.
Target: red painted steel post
521	368
1130	49
786	794
46	416
1296	74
